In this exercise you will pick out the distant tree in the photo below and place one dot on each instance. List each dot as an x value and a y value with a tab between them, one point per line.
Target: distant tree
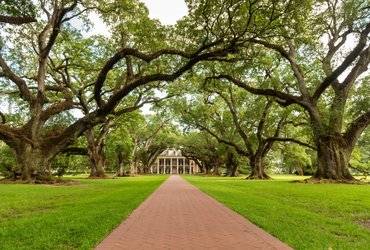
232	163
204	150
119	142
7	160
360	160
249	124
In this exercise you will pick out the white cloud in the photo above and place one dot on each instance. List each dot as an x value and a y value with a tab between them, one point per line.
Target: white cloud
167	11
99	27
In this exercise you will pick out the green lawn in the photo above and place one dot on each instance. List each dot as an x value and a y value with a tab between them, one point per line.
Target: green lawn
68	217
305	216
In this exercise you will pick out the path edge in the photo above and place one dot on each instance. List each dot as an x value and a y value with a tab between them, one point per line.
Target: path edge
257	230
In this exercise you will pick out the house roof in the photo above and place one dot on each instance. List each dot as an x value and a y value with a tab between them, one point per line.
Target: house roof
171	152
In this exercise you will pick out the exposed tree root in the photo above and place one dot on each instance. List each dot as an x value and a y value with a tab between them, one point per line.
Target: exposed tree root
94	177
258	177
124	175
365	223
207	174
42	181
98	175
314	180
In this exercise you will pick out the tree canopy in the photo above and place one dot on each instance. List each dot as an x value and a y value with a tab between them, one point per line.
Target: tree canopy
246	78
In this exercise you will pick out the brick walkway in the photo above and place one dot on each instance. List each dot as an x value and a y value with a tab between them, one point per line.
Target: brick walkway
179	216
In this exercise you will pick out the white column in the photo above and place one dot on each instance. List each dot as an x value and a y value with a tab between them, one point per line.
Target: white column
177	165
170	165
165	168
158	165
151	169
164	165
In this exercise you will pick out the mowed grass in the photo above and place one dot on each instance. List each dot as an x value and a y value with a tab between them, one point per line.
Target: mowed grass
68	217
305	216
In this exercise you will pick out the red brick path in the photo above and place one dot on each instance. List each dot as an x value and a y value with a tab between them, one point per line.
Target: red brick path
179	216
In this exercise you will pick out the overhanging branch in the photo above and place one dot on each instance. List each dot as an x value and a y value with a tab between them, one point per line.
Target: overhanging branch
75	151
290	56
124	53
280	97
17	20
221	140
21	84
116	98
138	105
356	128
290	140
345	64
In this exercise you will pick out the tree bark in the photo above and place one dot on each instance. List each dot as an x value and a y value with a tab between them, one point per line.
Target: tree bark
133	167
32	164
34	150
333	159
216	167
299	168
290	169
140	169
257	169
121	165
96	151
206	167
17	20
232	170
231	166
121	170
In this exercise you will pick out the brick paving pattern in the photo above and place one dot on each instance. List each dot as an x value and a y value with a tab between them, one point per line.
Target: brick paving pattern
180	216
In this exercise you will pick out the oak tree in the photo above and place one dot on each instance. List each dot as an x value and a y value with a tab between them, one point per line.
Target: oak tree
317	60
36	66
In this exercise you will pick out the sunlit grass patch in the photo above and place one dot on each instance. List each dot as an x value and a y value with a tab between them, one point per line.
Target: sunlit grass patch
305	216
68	217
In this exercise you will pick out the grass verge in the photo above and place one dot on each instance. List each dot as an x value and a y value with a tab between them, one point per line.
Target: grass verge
305	216
68	217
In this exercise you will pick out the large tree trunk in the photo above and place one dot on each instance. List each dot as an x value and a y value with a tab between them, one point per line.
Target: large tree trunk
140	169
334	148
35	151
32	165
299	168
121	170
231	166
333	155
135	158
216	167
97	164
235	171
257	169
290	169
133	167
206	167
121	165
232	171
96	151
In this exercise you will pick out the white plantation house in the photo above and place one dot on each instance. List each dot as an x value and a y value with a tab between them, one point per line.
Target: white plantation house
171	161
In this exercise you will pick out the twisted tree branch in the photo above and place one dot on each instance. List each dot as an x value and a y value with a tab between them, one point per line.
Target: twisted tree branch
17	20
